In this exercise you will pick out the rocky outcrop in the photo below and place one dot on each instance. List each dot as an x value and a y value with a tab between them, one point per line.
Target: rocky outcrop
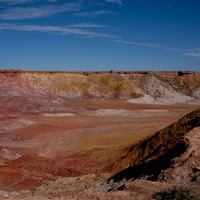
186	167
159	143
171	154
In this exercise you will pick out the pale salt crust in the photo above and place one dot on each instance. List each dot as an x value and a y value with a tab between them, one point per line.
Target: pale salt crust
129	113
146	99
13	124
58	114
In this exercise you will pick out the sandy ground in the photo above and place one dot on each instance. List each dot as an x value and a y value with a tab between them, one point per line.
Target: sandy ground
120	122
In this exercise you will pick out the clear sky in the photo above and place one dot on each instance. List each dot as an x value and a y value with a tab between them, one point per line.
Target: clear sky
91	35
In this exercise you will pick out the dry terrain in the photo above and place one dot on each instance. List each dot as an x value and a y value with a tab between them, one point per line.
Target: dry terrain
87	135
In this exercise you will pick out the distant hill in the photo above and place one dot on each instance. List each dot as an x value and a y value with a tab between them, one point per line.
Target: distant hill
137	87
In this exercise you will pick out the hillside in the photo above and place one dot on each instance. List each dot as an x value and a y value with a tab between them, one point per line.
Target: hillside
147	87
157	151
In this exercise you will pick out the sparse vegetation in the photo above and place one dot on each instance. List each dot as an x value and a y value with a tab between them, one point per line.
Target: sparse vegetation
177	193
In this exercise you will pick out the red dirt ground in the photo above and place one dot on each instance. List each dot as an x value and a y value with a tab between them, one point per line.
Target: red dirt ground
37	147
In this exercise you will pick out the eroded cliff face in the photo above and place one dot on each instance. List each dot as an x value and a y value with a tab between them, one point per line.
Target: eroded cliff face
160	143
185	168
68	85
170	155
174	87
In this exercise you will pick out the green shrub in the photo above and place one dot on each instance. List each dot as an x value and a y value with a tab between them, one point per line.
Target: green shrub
177	193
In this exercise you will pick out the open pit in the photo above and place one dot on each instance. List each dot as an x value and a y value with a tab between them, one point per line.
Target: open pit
46	134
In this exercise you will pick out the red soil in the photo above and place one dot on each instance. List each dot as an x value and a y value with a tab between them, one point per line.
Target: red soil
75	145
35	147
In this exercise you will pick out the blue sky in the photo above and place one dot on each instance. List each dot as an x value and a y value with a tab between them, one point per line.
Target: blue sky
95	35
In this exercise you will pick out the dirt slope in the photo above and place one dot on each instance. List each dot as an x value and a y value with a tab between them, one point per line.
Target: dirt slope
159	143
165	87
170	155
